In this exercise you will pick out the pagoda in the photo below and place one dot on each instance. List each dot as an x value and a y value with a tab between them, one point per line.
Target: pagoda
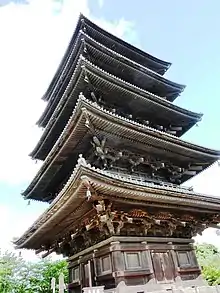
114	162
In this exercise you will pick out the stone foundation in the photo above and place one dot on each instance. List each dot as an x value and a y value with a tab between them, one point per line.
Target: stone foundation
137	289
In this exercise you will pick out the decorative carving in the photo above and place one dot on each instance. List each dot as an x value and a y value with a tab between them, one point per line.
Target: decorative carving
105	217
216	218
81	161
172	226
164	216
100	149
100	206
106	220
187	218
103	154
154	168
121	223
147	225
138	213
106	224
86	238
134	162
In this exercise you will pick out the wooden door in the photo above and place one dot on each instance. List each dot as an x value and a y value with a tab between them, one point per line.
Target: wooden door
163	266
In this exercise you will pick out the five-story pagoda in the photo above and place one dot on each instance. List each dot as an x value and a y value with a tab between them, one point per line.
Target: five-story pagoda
113	165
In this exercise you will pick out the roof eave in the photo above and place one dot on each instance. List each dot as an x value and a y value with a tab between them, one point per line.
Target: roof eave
92	176
92	109
196	116
58	73
163	63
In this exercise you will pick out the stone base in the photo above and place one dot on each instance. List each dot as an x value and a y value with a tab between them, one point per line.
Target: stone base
184	286
150	263
122	288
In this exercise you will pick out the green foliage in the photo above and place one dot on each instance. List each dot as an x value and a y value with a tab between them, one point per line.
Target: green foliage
209	259
206	250
43	272
18	276
211	274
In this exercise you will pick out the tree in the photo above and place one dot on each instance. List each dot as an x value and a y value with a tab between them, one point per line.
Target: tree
43	272
10	266
18	276
209	259
206	250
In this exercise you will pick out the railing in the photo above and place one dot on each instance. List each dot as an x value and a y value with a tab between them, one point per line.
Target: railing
97	289
201	289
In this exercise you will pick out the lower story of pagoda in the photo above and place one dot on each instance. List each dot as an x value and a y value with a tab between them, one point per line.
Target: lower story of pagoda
148	263
122	233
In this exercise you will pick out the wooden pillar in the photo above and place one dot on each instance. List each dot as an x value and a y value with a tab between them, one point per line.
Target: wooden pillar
149	262
175	262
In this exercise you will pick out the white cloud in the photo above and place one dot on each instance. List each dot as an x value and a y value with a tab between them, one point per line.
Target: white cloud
5	2
33	42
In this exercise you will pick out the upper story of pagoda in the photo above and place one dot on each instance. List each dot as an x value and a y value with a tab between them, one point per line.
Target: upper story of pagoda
119	46
114	56
110	102
120	146
116	95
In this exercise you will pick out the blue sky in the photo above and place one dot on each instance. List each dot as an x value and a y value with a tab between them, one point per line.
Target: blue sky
33	39
187	34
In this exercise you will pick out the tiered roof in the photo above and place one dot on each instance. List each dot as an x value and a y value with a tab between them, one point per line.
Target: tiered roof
115	64
111	56
110	102
110	41
125	85
121	95
75	138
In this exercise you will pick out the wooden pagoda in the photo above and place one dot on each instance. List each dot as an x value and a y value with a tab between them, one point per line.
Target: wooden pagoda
113	165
